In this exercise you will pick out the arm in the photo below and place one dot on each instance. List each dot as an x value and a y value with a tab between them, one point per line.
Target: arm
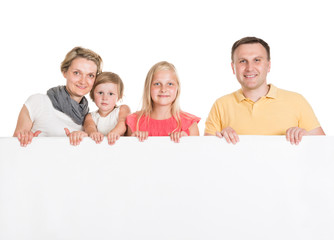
141	135
120	128
91	130
295	134
23	128
193	131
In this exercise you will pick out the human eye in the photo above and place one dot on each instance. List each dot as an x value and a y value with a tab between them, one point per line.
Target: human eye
242	61
170	84
156	84
91	75
257	60
111	94
100	92
76	73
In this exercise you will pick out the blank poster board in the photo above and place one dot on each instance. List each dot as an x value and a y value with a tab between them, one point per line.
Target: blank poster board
202	188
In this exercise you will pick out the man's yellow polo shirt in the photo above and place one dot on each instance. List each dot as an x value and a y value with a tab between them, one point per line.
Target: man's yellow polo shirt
272	114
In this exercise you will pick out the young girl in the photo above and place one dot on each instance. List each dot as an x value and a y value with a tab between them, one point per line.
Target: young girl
161	114
109	119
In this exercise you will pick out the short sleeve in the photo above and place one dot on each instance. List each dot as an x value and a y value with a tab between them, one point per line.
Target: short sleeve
34	105
213	122
131	121
187	120
307	120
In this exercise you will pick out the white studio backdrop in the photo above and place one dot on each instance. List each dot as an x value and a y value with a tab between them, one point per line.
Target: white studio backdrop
196	36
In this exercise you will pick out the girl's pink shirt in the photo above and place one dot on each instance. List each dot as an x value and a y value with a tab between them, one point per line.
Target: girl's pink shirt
161	127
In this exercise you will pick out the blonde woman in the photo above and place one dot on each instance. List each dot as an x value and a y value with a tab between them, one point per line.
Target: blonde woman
62	108
161	114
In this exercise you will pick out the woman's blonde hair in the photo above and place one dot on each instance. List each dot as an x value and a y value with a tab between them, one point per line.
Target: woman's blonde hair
108	77
147	102
79	52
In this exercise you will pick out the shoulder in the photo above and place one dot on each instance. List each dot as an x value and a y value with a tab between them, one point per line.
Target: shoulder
288	95
124	109
37	102
94	114
132	117
189	117
37	98
187	120
228	97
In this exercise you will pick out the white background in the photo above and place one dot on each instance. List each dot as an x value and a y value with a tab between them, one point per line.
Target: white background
196	36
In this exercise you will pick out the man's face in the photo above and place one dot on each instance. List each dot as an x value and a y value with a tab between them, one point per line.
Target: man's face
251	65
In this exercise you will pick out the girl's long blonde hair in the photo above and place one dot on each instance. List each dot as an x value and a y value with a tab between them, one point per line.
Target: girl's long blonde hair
147	103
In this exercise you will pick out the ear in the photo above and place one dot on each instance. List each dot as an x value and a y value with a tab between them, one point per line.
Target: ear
232	65
64	74
269	66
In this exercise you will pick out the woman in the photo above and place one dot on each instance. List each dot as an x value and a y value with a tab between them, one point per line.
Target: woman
63	107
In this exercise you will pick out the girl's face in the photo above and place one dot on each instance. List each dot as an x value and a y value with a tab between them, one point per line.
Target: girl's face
106	97
164	88
80	78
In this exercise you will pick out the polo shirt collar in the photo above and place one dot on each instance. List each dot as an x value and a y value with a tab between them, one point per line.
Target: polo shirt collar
272	91
271	94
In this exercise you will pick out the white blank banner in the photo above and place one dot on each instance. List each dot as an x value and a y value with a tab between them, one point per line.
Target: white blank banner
202	188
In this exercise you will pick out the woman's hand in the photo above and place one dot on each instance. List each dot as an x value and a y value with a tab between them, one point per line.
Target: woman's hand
141	135
75	137
23	128
112	137
96	136
25	137
175	136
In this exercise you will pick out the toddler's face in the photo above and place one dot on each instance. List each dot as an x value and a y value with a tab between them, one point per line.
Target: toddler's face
164	87
106	97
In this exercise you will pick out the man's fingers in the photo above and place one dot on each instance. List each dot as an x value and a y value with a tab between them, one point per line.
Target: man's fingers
226	136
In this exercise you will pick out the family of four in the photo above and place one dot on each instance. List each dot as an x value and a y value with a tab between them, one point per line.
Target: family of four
258	108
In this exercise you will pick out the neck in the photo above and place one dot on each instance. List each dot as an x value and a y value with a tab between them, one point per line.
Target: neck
256	94
74	97
104	113
161	112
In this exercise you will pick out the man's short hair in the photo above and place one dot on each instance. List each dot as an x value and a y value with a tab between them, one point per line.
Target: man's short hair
250	40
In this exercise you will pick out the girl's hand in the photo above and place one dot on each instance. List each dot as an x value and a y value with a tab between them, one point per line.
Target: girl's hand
141	135
175	136
112	137
96	136
25	137
75	137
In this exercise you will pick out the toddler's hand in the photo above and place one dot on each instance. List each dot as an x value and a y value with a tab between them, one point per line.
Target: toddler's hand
25	137
75	137
112	138
175	136
141	135
97	137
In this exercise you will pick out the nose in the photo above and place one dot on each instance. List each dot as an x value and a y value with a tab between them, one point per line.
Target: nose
163	88
249	66
104	96
82	79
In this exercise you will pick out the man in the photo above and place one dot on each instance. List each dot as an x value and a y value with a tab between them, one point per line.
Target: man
258	108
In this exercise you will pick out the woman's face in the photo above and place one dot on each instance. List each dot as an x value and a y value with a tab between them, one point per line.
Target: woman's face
80	78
